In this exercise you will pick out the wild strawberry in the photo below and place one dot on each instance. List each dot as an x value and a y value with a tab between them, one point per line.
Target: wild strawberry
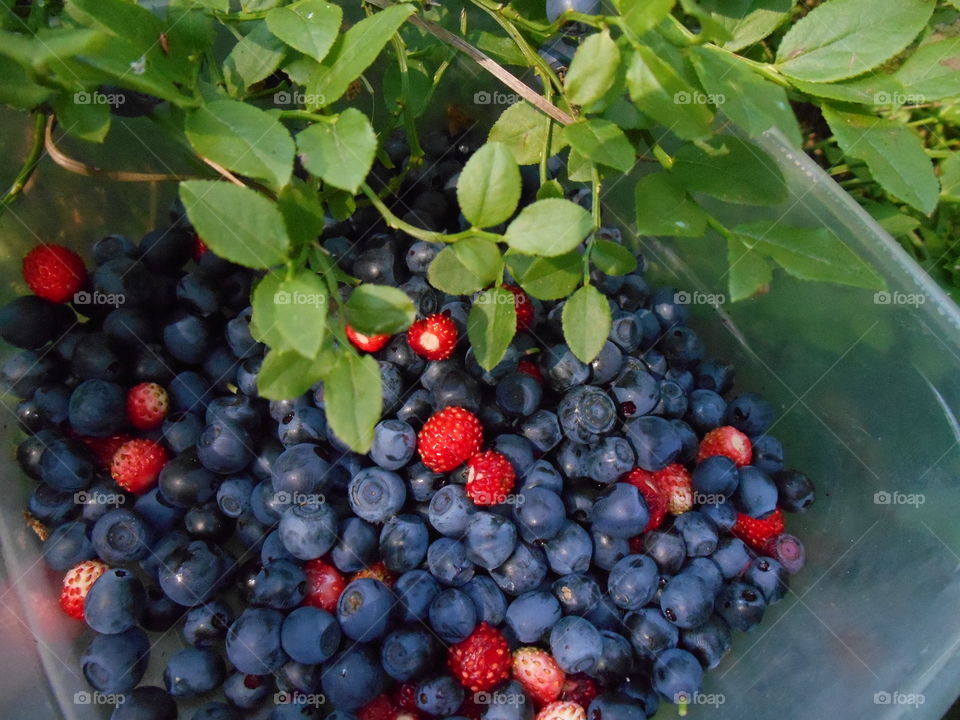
147	405
490	476
54	272
380	708
434	337
449	438
199	248
562	710
77	583
787	550
325	584
728	441
137	464
524	307
366	343
755	532
104	449
529	367
482	660
377	571
538	672
579	688
405	696
657	503
676	486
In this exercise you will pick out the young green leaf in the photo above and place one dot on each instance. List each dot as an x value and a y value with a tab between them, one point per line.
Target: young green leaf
489	186
593	69
523	129
263	324
950	179
641	17
85	120
612	258
309	26
354	52
586	322
286	374
710	29
660	91
875	88
353	398
748	272
893	153
340	152
374	309
844	38
244	139
932	72
546	278
16	87
549	227
302	213
602	142
755	104
550	189
579	168
301	313
744	174
255	57
466	266
237	223
491	325
809	254
748	21
664	208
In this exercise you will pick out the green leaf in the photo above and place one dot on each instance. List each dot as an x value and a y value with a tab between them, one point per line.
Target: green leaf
890	218
586	322
491	325
549	227
660	91
844	38
285	375
612	258
489	186
544	278
664	208
749	273
744	174
48	46
299	315
950	179
932	72
218	5
641	17
602	142
309	26
374	309
255	57
16	87
748	21
893	153
550	189
871	89
244	139
237	223
579	168
82	116
523	129
753	103
710	29
302	213
353	399
419	94
809	254
593	70
354	52
466	266
339	152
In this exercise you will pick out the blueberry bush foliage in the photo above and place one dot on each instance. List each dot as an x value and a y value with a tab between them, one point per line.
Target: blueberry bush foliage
655	85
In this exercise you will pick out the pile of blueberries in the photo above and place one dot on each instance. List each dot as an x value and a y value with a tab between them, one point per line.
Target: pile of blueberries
304	578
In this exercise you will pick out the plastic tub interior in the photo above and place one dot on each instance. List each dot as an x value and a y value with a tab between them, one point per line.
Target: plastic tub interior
866	396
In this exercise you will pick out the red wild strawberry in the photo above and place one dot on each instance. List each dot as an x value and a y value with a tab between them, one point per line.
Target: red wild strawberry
756	532
377	571
54	272
104	449
380	708
449	438
524	307
676	486
656	502
562	710
405	696
579	688
199	248
77	583
137	464
490	476
434	337
325	584
538	672
482	660
530	368
147	405
366	343
727	441
636	544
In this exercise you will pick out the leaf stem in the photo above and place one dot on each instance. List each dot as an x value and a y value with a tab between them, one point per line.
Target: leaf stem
29	164
596	185
718	226
398	224
409	122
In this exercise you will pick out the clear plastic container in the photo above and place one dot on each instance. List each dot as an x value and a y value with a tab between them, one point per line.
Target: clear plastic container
866	394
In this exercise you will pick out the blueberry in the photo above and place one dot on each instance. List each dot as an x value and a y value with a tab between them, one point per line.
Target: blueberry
556	8
569	551
376	494
717	477
356	545
682	347
97	408
246	692
610	459
452	615
408	654
769	577
507	365
206	625
310	635
300	469
392	383
519	394
165	248
586	412
663	303
199	293
193	572
188	338
508	702
632	582
225	448
490	603
767	454
741	605
253	642
448	563
273	549
160	613
616	661
571	459
795	491
121	536
542	430
403	542
26	372
561	368
677	674
215	710
450	510
279	409
634	292
233	496
440	695
686	601
51	506
30	322
455	388
715	375
415	590
128	328
532	614
620	511
542	474
394	442
193	671
490	539
667	549
363	609
184	482
146	702
699	533
721	513
607	549
615	706
189	391
750	414
353	678
420	254
247	375
67	545
731	556
239	338
707	570
302	425
206	522
576	644
517	450
416	408
539	514
308	530
577	593
709	642
650	632
234	409
655	441
756	493
606	365
66	465
30	452
116	663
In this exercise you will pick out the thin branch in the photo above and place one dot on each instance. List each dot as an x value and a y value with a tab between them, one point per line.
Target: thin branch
29	164
224	172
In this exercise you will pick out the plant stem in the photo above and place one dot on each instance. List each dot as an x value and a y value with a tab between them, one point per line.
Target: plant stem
306	115
595	195
548	140
511	14
398	224
536	61
718	226
409	122
29	164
